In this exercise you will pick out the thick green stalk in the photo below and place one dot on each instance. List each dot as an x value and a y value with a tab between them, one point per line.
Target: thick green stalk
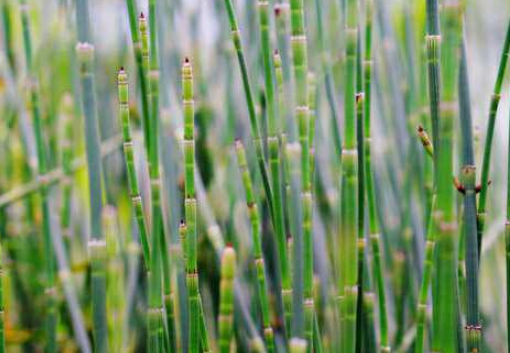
51	313
468	180
375	237
141	68
225	316
447	226
190	209
430	243
274	148
115	281
349	204
254	125
493	110
260	266
300	69
134	191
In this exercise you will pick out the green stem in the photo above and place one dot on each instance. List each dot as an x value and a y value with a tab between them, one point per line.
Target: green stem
225	317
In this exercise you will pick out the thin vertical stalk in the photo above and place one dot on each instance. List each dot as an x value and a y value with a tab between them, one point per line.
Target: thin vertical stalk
493	110
190	209
66	111
349	208
225	317
51	313
300	69
468	180
141	68
375	237
274	154
254	125
257	247
134	191
97	244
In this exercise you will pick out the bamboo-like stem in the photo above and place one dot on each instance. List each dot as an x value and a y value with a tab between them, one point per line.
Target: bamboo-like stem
493	110
300	69
254	125
273	143
141	69
225	317
468	180
50	289
447	226
260	266
67	158
349	208
134	191
190	209
375	237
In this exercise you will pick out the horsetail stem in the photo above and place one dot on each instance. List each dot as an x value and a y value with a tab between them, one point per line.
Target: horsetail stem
349	208
493	110
141	55
254	125
260	266
225	317
190	209
447	240
468	180
67	106
42	166
373	225
300	70
273	146
136	199
2	305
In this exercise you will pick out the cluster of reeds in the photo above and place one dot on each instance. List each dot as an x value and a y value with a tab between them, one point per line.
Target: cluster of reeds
251	176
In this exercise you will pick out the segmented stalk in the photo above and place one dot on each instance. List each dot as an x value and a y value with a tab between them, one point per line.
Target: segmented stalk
349	189
447	226
134	191
274	150
225	317
428	264
300	70
493	110
373	224
260	266
115	281
42	168
142	68
468	180
254	125
190	208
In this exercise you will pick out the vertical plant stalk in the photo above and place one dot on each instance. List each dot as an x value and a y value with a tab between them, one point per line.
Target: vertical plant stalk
349	190
190	208
300	69
66	111
225	317
507	245
493	110
447	226
50	289
142	69
254	125
468	180
134	191
260	266
274	157
361	244
373	224
96	243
